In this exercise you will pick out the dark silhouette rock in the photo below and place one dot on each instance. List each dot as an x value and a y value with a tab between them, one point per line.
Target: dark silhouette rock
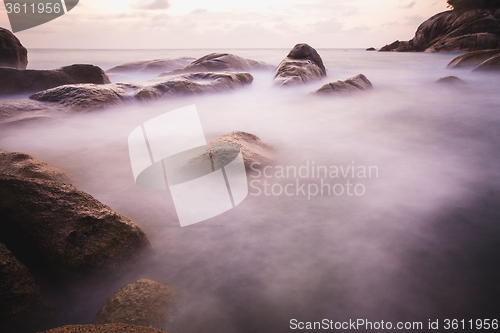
492	64
399	46
144	302
472	59
24	305
451	81
371	49
151	66
107	328
472	42
352	85
15	81
303	64
12	53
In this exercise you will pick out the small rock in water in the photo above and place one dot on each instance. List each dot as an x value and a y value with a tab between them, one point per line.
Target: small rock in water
492	64
303	64
472	59
151	66
451	81
352	85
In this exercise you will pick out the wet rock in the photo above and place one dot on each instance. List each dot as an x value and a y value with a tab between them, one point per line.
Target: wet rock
451	81
24	304
472	59
303	64
492	64
151	66
221	62
193	84
144	302
107	328
27	166
15	81
64	234
14	112
12	53
352	85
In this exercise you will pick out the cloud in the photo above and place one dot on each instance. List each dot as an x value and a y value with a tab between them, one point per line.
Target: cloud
410	5
153	5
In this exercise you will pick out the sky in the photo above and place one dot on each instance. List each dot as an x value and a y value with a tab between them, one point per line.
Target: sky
184	24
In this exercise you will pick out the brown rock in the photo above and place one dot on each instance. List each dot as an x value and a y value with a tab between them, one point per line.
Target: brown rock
107	328
472	42
151	66
13	112
144	302
24	305
492	64
303	64
451	81
472	59
12	53
399	46
352	85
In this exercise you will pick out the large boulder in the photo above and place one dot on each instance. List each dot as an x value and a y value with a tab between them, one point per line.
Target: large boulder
471	42
151	66
107	328
27	166
472	59
352	85
303	64
144	302
12	53
221	62
492	64
193	84
15	81
64	234
24	305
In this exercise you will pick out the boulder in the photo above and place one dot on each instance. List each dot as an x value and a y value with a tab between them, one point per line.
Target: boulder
221	62
107	328
24	305
15	81
492	64
27	166
193	84
13	112
472	59
399	46
64	234
472	42
12	53
352	85
144	302
302	64
451	81
151	66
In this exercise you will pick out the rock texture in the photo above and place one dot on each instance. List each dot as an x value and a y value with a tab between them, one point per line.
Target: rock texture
14	112
12	53
453	31
151	66
352	85
472	59
108	328
15	81
62	233
492	64
24	305
221	62
303	64
144	302
27	166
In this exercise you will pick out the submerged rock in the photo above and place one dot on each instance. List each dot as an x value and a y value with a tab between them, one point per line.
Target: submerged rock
303	64
492	64
19	111
151	66
472	59
354	84
144	302
452	81
15	81
24	305
107	328
12	53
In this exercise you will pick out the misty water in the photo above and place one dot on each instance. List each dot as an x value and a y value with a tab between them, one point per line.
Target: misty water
421	243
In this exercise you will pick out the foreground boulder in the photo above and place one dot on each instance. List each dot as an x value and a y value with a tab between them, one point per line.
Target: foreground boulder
492	64
12	53
18	111
151	66
24	304
15	81
108	328
27	166
144	302
302	64
221	62
352	85
472	59
62	233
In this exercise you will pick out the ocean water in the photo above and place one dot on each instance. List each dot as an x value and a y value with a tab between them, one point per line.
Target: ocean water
418	241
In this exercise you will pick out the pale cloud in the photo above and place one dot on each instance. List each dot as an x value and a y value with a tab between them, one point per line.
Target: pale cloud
152	5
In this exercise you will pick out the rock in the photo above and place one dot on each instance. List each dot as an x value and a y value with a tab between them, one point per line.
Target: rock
221	62
27	166
64	234
371	49
13	112
451	81
151	66
253	149
15	81
144	302
472	42
353	84
193	84
108	328
472	59
399	46
303	64
24	304
12	53
492	64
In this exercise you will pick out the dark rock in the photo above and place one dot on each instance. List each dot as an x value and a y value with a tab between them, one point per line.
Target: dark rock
351	85
144	302
492	64
27	166
371	49
107	328
24	305
63	234
399	46
473	42
221	62
12	53
472	59
15	81
451	81
303	64
13	112
193	84
151	66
